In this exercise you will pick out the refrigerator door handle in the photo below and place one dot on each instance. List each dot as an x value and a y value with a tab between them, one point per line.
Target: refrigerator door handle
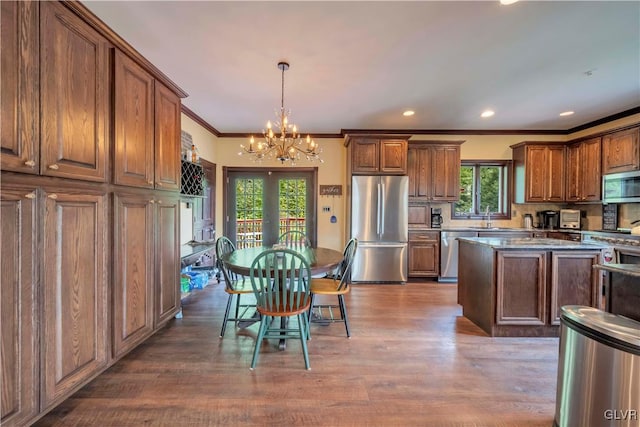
381	199
379	207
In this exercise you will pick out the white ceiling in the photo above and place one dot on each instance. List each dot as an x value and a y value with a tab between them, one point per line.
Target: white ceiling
358	65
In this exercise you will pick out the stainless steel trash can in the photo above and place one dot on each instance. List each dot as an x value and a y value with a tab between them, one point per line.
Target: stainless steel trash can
598	369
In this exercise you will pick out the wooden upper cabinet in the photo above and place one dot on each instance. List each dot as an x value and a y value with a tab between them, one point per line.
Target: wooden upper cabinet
74	96
372	156
620	151
134	126
147	129
167	138
19	305
19	139
74	322
539	172
434	171
584	180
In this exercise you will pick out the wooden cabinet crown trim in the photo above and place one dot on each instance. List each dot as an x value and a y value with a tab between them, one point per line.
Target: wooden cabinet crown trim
85	14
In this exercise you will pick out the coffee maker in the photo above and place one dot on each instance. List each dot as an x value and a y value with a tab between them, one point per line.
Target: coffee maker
548	220
436	217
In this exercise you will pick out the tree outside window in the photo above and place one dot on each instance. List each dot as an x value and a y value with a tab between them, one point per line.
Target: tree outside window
484	184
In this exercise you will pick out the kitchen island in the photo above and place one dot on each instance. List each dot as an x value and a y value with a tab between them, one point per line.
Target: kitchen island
516	286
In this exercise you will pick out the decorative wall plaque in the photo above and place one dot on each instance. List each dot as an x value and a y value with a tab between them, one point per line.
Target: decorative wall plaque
331	190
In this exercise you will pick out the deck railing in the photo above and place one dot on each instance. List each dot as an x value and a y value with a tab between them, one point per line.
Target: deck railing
249	231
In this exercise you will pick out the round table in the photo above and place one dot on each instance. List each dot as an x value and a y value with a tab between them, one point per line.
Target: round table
321	260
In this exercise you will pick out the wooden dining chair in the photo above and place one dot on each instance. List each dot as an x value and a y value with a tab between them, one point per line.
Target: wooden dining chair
234	285
294	239
280	280
336	284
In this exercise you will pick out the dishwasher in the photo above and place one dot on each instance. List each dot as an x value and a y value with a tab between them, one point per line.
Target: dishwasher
449	254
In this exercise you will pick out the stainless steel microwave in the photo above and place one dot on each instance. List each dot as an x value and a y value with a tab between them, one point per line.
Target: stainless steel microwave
621	187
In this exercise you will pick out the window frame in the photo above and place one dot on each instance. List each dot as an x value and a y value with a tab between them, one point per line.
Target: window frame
507	193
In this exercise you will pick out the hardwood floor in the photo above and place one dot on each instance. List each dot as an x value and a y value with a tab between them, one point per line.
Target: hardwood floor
412	360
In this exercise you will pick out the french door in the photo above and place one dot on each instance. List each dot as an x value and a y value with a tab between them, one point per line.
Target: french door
263	203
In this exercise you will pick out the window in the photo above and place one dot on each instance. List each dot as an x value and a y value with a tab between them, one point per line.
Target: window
484	184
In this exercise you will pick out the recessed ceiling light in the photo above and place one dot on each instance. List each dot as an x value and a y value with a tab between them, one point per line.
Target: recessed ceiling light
566	113
487	113
408	113
507	2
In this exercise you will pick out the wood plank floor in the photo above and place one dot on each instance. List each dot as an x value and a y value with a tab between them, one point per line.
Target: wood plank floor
413	360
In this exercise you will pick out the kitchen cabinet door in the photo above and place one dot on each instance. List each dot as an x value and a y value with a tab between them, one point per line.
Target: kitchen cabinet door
524	304
74	96
74	292
19	139
556	175
583	177
446	173
424	254
134	126
167	138
620	151
393	156
19	304
167	246
134	267
573	281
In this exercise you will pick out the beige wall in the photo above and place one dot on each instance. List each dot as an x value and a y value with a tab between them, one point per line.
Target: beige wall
224	152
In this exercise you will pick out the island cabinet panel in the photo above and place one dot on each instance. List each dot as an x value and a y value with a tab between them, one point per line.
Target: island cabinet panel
74	96
19	303
573	281
621	151
522	303
167	259
74	292
424	253
19	138
133	271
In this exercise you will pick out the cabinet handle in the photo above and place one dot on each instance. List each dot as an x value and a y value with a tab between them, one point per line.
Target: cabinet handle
31	195
53	196
30	163
54	167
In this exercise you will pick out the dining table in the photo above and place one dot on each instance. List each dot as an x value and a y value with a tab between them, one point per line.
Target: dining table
321	260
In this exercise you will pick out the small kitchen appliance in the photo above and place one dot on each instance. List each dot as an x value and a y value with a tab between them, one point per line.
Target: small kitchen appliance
436	217
528	221
548	220
570	218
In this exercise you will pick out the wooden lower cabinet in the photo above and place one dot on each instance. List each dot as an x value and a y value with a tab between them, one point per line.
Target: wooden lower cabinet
146	266
424	254
519	291
133	271
18	305
573	282
74	287
167	247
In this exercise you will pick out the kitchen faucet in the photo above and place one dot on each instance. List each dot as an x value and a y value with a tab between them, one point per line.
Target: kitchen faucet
488	214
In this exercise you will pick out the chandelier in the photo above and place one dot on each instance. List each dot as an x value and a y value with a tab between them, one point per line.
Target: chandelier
288	145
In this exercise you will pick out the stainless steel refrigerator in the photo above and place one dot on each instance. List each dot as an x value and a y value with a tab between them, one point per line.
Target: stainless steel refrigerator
380	223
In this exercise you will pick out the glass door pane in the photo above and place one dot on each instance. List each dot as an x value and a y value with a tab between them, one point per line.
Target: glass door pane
292	201
249	208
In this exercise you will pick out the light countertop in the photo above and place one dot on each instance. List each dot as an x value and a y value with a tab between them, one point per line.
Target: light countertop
530	243
628	269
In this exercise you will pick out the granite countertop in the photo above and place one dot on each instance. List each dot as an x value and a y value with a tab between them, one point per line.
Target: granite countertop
530	243
628	269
